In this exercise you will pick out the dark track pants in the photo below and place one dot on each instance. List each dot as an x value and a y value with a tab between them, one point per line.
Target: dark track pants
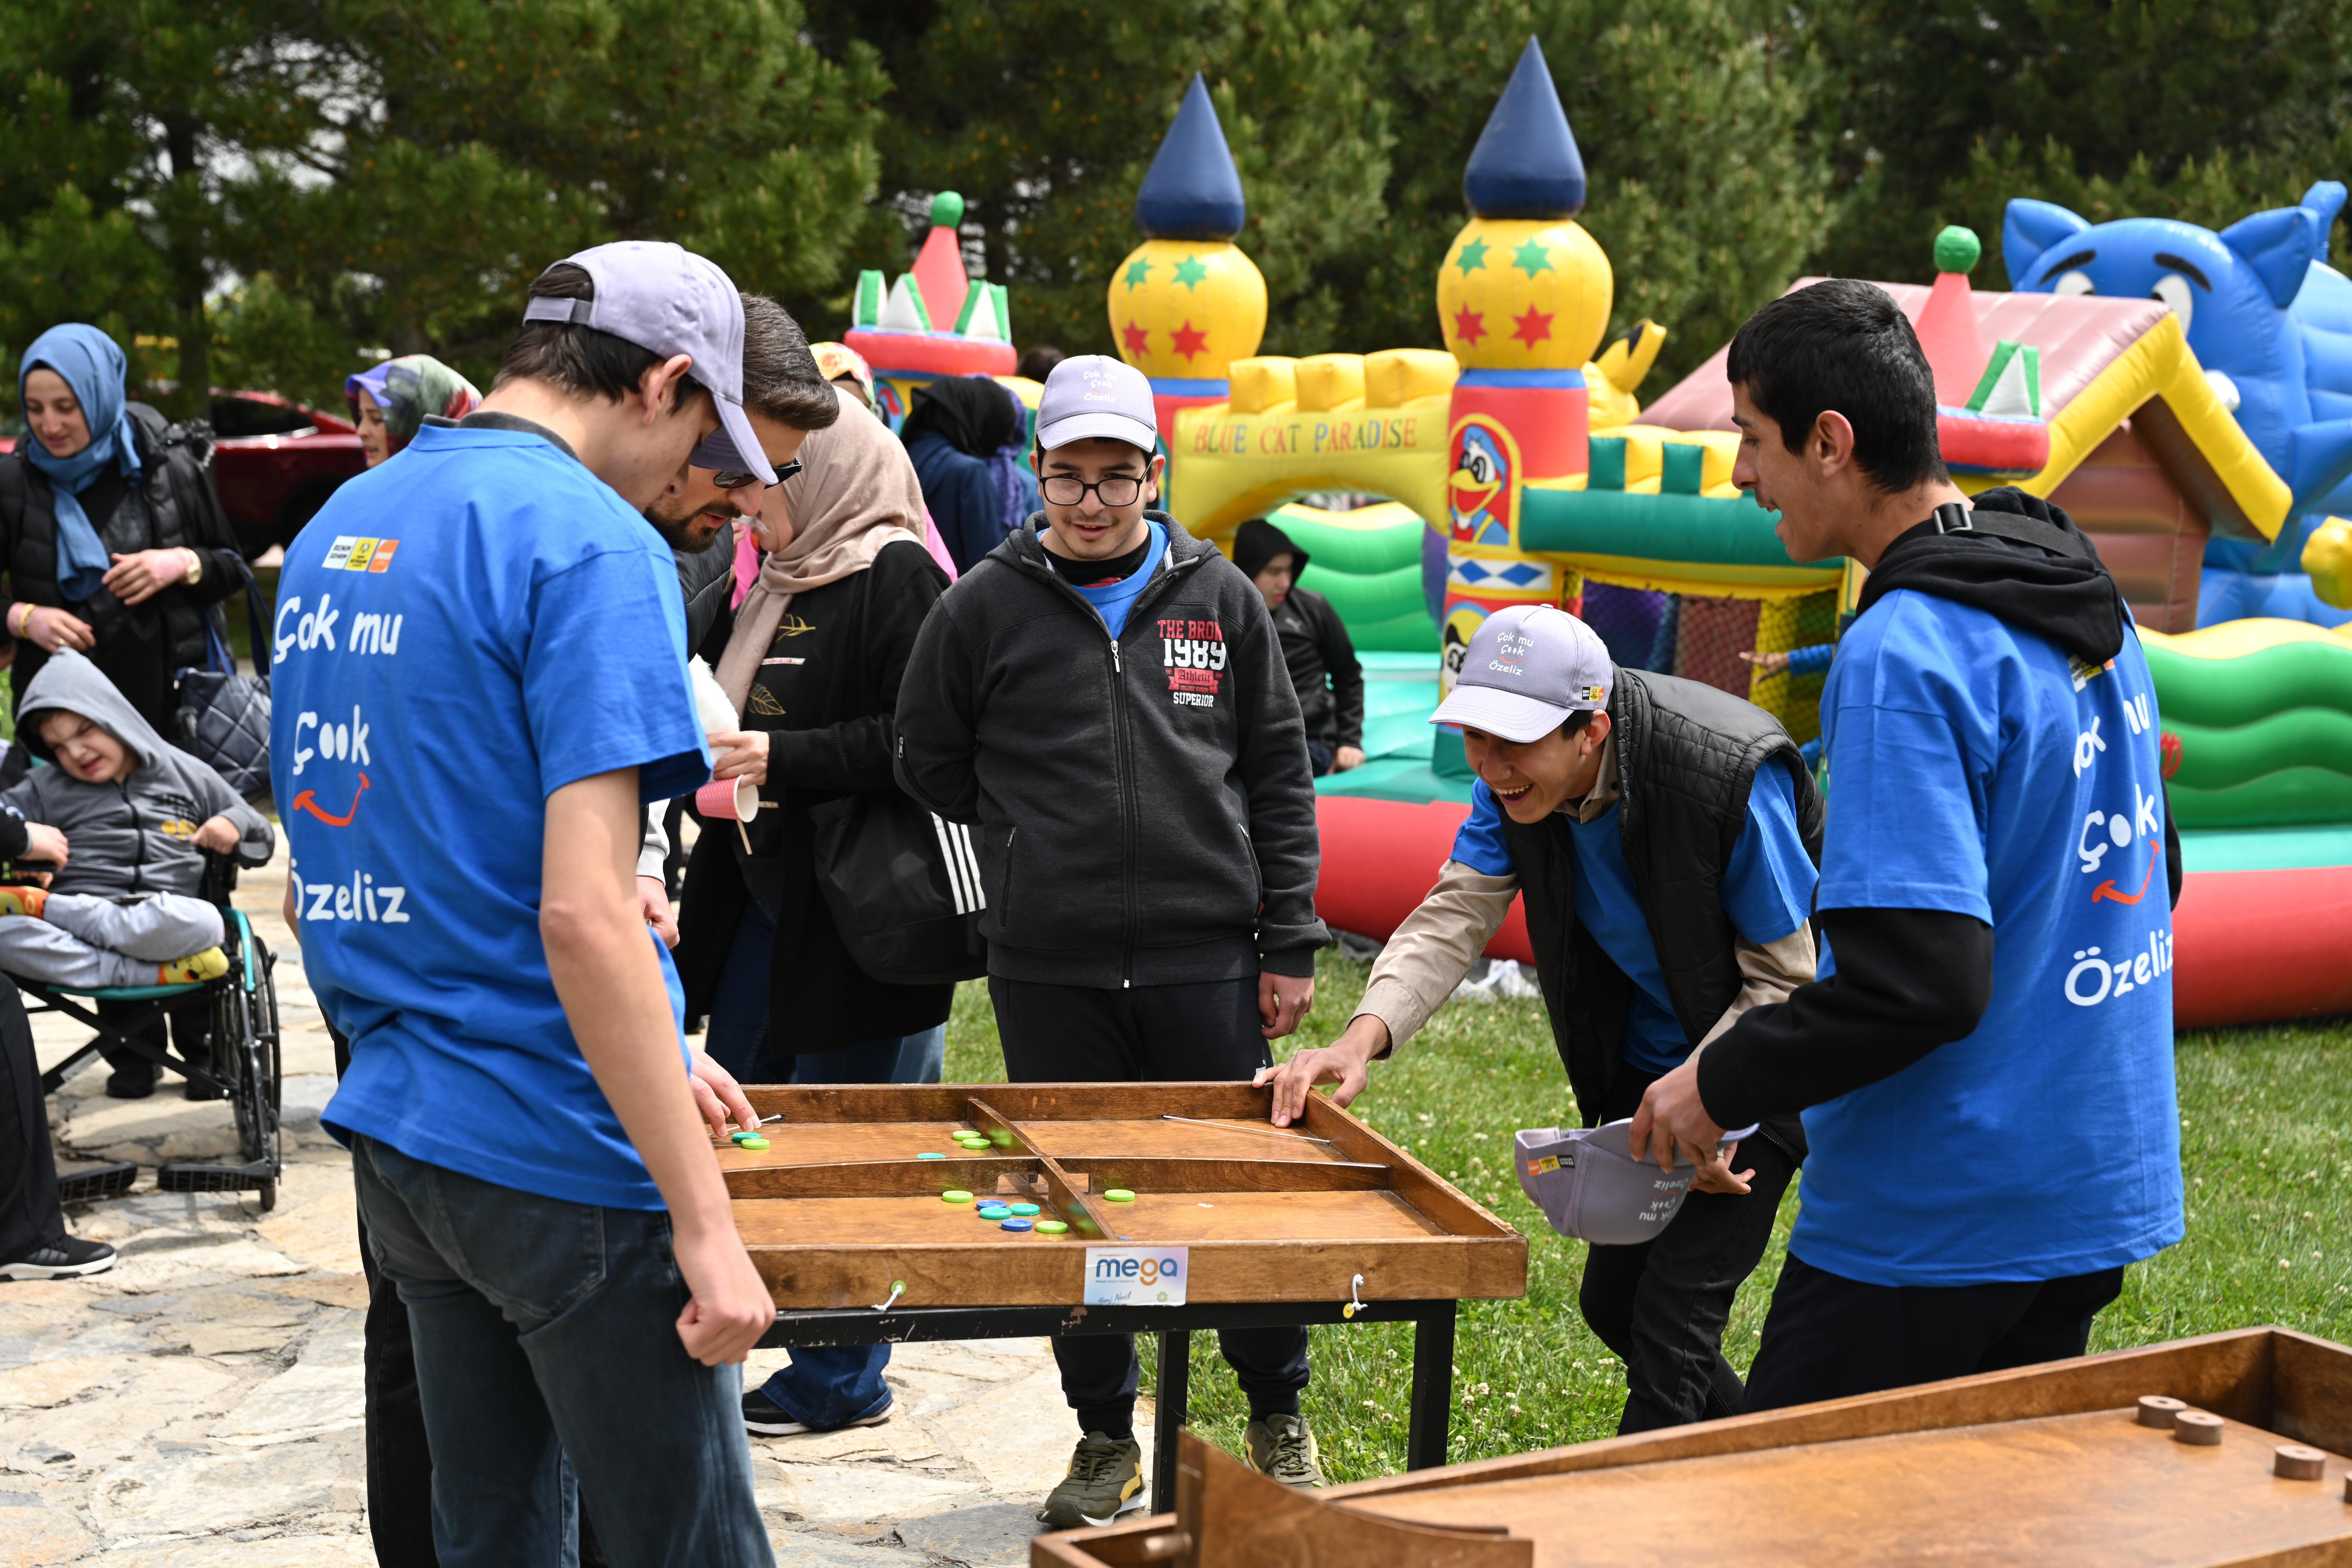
1661	1305
1828	1336
1081	1034
29	1215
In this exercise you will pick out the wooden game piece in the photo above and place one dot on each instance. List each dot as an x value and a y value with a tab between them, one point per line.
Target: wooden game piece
2159	1410
2198	1428
2295	1462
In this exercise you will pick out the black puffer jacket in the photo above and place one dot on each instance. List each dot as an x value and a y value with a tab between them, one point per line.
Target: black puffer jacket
141	648
1686	760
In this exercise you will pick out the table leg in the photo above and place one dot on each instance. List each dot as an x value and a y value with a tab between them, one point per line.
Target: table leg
1432	1387
1170	1406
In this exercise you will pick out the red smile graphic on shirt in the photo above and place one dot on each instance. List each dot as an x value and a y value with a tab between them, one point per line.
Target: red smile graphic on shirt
307	801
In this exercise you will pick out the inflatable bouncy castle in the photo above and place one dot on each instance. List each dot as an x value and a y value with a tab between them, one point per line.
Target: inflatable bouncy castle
2271	322
1517	466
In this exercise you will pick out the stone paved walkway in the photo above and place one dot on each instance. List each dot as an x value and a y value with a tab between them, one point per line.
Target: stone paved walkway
199	1406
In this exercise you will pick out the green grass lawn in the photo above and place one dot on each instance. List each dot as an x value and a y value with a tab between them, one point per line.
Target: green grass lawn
2267	1138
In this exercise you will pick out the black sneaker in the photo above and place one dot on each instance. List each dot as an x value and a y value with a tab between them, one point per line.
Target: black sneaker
131	1083
196	1091
60	1260
763	1418
1105	1481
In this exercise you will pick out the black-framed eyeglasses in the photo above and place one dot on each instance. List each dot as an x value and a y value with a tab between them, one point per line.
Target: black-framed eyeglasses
1069	490
732	480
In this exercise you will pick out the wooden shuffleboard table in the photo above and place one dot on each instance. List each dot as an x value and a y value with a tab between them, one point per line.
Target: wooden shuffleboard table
1144	1208
2229	1449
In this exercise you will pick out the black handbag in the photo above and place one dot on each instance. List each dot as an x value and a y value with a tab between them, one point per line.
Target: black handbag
904	888
225	715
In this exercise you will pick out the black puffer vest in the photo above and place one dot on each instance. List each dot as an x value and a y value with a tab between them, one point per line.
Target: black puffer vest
1686	755
169	508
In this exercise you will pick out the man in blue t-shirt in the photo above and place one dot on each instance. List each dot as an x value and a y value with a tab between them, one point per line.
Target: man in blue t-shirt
479	663
1985	1066
1662	834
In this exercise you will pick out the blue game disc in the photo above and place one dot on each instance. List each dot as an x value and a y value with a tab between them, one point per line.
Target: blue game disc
929	1156
1017	1223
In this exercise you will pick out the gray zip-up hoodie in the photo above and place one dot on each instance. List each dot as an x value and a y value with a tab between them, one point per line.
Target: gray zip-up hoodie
130	836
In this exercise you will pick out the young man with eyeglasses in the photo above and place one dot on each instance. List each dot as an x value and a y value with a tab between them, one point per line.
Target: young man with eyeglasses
1105	696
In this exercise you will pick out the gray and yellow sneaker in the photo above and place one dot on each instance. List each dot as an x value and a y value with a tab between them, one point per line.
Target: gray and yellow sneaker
1105	1481
1283	1447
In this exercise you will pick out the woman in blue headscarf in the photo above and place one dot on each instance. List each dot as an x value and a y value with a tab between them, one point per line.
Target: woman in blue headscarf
111	538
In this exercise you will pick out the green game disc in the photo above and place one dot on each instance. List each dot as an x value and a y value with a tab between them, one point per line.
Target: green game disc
753	1142
1118	1194
955	1194
1051	1228
973	1143
1022	1208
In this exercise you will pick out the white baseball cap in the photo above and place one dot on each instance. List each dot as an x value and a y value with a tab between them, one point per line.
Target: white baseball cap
1094	395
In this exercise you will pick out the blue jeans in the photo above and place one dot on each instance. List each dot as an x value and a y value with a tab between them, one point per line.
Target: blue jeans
546	1346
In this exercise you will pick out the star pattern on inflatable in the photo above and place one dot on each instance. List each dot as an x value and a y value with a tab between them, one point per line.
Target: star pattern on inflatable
1469	325
1189	341
1138	340
1533	326
1532	258
1137	271
1472	257
1189	271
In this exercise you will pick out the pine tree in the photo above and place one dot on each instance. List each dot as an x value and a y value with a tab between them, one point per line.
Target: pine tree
1940	110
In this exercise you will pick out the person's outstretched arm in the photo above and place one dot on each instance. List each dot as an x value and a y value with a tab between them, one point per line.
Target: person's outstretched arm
611	986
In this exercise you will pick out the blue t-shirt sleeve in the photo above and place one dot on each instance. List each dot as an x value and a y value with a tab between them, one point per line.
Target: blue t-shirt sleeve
1768	888
1908	830
1811	661
1479	843
604	677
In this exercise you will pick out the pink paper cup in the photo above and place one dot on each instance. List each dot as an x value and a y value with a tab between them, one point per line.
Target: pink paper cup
723	800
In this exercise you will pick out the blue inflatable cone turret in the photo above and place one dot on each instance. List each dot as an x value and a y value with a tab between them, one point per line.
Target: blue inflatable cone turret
1526	164
1192	191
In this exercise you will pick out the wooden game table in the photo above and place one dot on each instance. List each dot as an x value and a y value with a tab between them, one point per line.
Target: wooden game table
2228	1450
1323	1222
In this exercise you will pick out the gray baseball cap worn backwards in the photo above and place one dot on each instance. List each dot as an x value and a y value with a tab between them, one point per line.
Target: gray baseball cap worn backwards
667	300
1528	668
1096	395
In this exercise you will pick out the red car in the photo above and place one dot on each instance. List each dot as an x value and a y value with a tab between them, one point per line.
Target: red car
275	464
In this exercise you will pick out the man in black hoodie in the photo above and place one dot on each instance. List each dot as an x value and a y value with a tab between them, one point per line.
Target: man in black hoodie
1985	1066
1105	696
1315	645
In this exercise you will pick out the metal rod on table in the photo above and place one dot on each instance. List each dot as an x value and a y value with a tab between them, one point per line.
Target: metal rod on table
1246	1127
1172	1401
1432	1387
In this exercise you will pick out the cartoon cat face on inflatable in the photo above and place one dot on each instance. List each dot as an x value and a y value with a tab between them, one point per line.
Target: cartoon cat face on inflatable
2269	320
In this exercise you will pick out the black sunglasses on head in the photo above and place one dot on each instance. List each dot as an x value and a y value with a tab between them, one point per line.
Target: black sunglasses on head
732	480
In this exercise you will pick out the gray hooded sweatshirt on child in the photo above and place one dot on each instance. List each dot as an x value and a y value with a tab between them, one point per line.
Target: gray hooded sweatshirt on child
131	836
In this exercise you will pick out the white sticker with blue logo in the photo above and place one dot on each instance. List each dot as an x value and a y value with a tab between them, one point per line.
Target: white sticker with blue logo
1136	1276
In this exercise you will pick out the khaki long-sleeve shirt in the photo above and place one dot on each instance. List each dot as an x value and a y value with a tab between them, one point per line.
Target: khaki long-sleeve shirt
1432	950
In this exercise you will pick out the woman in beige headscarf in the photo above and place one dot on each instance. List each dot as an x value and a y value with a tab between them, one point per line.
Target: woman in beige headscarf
813	669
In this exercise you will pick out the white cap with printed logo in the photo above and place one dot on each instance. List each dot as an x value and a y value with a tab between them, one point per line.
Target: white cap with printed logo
1094	395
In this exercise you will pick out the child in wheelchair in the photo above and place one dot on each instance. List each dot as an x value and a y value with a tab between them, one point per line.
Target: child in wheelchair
124	817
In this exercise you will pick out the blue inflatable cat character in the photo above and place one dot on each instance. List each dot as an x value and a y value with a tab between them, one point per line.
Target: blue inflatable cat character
2271	324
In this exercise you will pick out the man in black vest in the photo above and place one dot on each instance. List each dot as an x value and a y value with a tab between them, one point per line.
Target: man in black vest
1664	835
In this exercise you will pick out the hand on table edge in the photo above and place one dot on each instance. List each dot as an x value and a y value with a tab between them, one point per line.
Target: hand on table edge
1344	1061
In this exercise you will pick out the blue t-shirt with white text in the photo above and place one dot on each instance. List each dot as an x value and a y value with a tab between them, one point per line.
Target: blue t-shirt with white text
459	632
1767	890
1974	767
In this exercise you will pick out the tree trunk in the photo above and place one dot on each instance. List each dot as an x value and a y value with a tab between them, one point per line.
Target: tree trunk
183	216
